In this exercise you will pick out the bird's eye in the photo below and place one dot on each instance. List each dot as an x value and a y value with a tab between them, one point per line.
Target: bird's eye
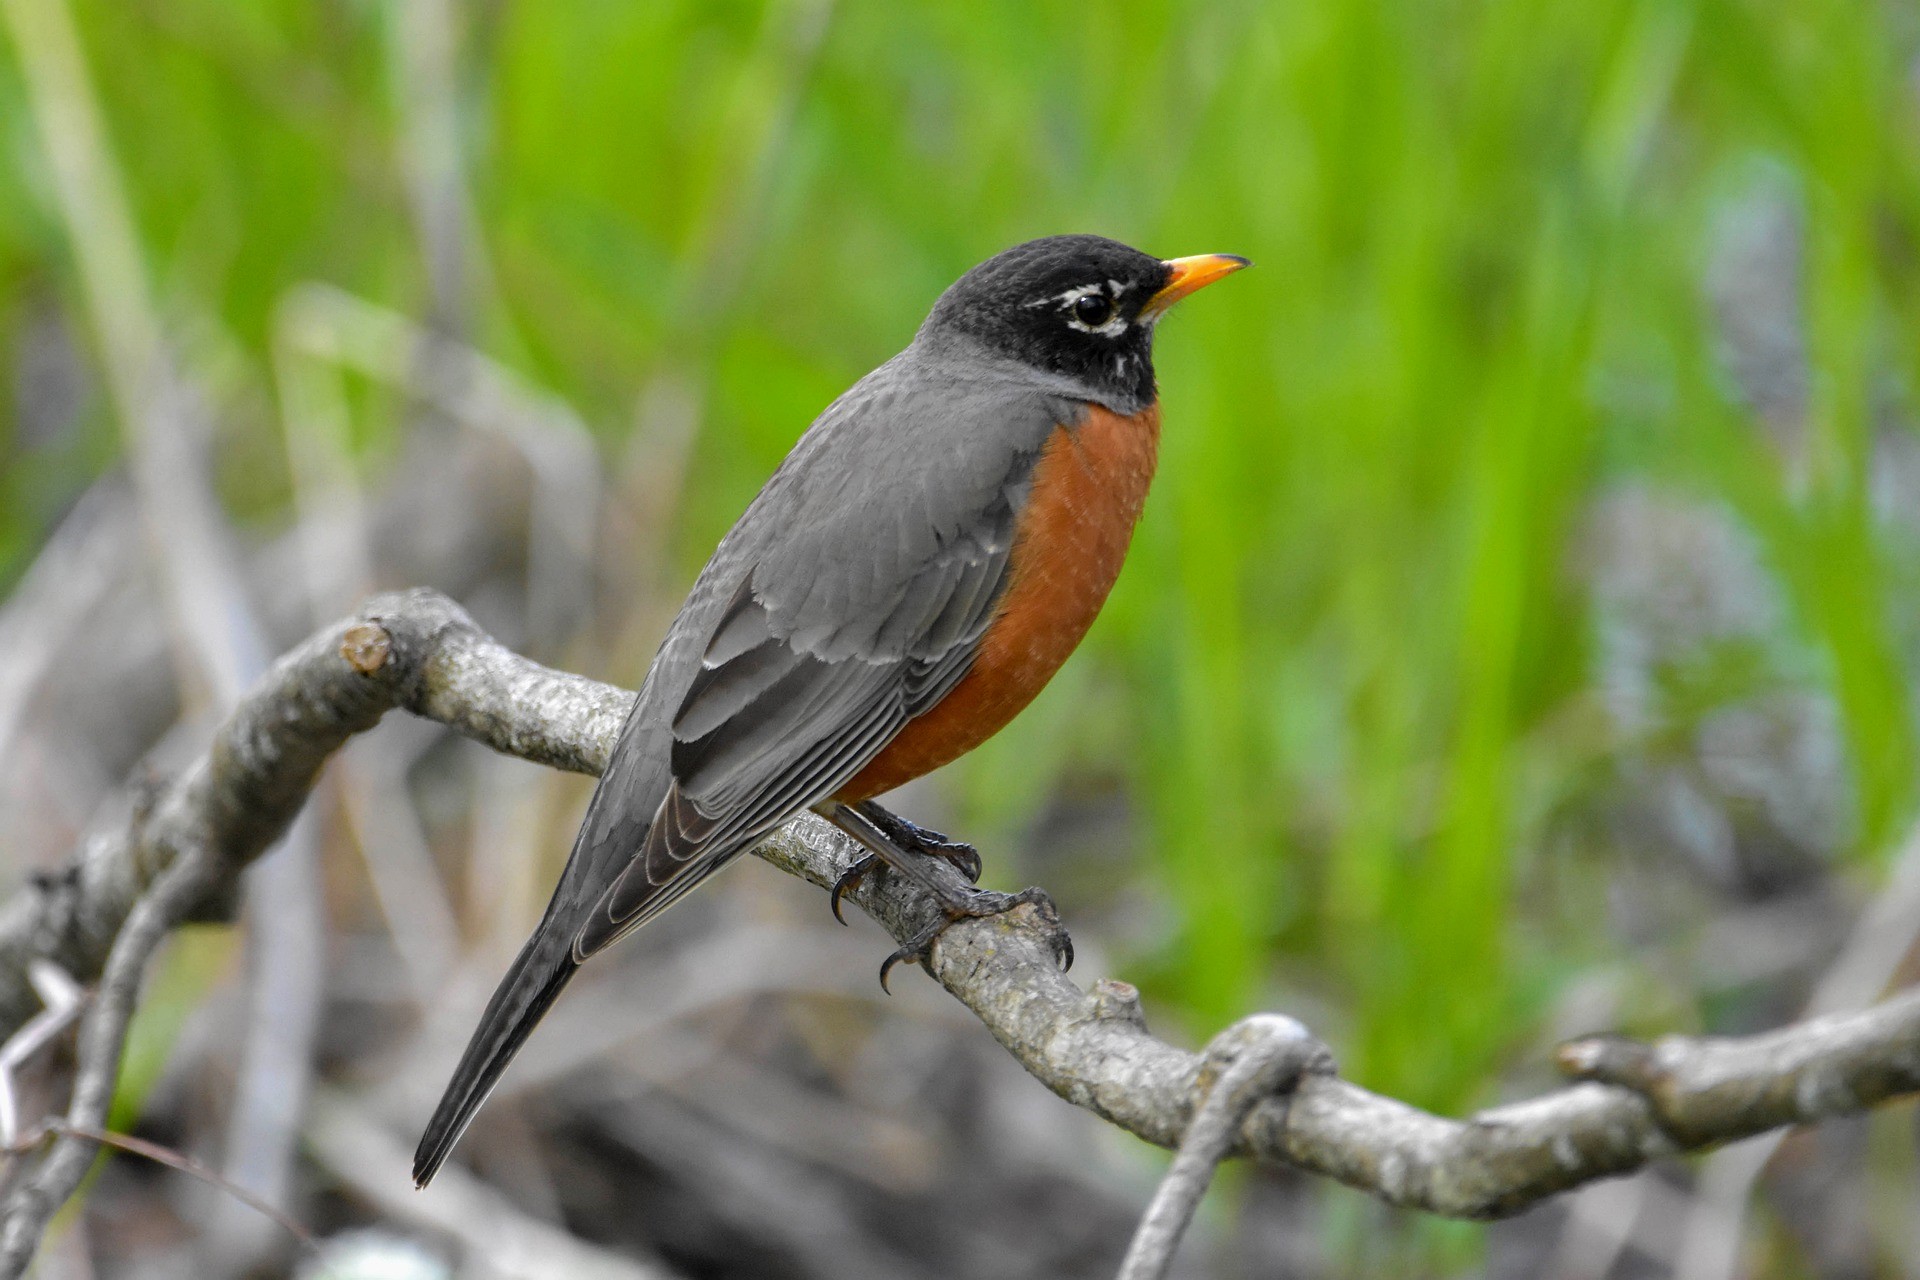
1093	309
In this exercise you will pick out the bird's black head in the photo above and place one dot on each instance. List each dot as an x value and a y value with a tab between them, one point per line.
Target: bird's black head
1082	306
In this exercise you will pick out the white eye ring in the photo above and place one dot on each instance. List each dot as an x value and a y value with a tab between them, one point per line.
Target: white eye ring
1112	327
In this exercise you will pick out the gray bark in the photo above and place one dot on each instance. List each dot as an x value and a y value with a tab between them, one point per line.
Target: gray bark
103	913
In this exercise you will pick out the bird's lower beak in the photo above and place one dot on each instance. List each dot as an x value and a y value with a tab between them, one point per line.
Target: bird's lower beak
1190	274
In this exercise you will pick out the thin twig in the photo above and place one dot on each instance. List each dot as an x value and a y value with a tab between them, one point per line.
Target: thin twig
185	1164
103	1035
64	999
1253	1059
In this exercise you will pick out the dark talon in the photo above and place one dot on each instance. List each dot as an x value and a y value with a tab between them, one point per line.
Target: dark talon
848	881
1062	940
886	966
920	949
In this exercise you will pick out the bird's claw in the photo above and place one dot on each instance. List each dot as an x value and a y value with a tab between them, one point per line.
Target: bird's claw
915	951
848	881
981	903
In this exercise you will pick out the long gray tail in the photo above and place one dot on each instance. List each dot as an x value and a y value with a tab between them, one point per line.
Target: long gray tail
533	983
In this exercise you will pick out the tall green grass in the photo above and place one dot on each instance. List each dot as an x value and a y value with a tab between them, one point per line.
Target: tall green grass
1337	675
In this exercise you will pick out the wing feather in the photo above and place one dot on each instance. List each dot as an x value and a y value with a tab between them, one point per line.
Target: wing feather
767	731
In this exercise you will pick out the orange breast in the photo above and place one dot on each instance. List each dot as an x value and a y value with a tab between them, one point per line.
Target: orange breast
1089	486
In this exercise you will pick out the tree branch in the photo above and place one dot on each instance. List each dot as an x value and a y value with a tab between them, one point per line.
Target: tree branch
107	908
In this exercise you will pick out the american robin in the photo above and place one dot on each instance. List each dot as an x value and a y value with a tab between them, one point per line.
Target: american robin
917	569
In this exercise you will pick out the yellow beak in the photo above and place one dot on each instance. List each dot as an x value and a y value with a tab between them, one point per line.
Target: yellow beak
1190	274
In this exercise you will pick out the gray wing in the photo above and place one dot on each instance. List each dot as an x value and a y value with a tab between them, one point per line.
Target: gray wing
874	560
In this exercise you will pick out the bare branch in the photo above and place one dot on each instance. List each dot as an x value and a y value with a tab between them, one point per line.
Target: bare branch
419	651
64	999
103	1034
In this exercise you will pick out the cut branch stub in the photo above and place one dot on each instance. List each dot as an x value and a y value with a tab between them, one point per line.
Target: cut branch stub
366	646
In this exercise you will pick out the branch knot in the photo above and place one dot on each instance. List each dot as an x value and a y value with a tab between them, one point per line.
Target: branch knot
1117	1001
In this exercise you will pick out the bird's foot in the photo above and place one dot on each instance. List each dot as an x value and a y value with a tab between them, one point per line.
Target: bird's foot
894	841
976	904
906	837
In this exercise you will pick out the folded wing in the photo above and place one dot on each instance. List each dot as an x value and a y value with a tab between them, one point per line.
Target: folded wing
768	728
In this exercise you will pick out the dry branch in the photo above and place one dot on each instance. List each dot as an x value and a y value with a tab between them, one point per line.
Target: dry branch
420	651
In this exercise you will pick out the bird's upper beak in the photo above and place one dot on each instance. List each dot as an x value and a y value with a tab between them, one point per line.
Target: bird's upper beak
1190	274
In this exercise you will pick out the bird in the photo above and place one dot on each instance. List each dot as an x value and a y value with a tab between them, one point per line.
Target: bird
927	556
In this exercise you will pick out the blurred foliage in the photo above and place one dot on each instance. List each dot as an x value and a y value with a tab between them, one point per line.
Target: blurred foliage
1345	681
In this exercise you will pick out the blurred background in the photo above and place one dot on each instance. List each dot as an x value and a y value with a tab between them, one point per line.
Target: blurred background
1521	638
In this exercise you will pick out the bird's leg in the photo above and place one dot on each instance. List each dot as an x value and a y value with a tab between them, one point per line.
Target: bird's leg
911	835
956	902
905	836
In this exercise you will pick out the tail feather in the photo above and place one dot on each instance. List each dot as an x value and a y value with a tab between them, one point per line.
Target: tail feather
535	981
615	825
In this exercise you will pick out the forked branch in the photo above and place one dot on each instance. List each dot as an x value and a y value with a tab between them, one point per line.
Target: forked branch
102	914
